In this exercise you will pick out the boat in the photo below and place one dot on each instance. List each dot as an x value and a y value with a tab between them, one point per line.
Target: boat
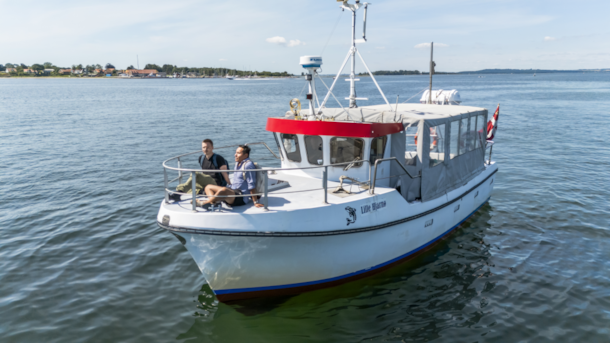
229	77
355	190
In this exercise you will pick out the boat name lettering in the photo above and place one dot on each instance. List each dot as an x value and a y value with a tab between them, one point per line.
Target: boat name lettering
373	207
429	222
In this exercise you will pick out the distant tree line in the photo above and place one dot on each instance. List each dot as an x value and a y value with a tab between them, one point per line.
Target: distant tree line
48	69
171	69
394	72
89	69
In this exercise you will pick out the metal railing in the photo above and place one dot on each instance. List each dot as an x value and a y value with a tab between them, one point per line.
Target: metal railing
265	171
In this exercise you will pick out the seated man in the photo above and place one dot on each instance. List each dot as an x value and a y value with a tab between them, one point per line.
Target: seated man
239	184
209	160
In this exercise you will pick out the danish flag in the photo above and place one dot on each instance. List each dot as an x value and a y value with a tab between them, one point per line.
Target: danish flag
492	125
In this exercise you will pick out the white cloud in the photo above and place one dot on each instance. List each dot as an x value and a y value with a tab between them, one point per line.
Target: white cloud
295	42
427	45
380	47
549	39
282	41
276	40
223	59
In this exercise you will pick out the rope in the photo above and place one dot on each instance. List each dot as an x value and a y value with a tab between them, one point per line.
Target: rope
331	33
331	93
423	90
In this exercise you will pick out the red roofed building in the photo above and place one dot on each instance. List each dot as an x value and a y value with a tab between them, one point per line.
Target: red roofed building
141	72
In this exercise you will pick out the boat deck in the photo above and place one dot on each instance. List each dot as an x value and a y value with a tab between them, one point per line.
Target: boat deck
301	193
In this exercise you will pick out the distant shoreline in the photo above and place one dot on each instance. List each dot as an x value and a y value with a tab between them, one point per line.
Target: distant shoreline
487	71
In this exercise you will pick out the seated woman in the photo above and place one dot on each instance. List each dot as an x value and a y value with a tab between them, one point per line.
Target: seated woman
241	183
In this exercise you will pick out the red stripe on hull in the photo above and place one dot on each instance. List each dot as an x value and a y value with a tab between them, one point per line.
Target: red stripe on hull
302	289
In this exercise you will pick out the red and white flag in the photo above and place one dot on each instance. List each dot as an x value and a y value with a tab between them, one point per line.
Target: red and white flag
492	125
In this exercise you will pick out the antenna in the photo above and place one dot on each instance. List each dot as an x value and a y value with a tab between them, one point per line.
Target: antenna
366	6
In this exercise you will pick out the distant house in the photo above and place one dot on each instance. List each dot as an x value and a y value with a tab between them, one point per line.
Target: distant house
48	71
11	70
29	71
109	71
65	71
141	72
192	74
97	71
77	71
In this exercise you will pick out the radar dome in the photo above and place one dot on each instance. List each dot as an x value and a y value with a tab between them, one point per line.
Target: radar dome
311	61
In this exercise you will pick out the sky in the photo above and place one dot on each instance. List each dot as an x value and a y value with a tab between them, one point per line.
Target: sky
272	34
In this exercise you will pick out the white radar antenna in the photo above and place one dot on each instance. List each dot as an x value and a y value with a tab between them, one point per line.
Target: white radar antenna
352	55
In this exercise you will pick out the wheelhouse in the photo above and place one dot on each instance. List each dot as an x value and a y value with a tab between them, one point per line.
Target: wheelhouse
437	148
305	144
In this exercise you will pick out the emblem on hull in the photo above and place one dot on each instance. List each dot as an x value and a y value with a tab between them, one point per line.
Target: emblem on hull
352	215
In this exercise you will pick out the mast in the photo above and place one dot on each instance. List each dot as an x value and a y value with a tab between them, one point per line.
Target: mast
351	54
352	75
431	72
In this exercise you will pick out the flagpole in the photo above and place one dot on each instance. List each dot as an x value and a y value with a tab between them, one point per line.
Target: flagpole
495	124
490	149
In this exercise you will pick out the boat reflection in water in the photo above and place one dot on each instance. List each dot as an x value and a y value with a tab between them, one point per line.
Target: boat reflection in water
358	191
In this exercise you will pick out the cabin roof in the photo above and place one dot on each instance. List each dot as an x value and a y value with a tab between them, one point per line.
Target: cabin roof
405	113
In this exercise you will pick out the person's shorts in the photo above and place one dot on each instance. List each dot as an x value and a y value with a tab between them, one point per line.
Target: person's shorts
239	201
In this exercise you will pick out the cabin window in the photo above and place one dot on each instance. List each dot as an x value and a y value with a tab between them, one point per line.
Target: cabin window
454	138
344	149
480	135
313	146
471	136
464	140
377	148
291	146
279	148
411	146
437	145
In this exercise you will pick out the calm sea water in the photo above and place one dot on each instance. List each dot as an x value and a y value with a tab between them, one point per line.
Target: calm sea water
81	258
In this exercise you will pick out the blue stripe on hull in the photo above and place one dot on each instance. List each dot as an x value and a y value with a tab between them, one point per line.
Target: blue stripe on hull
270	288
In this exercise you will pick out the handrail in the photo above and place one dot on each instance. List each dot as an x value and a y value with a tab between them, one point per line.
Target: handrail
265	171
372	188
262	169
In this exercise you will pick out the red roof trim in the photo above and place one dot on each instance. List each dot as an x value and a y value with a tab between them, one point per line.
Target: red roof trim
332	128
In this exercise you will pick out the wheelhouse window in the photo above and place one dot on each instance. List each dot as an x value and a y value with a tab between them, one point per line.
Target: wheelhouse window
480	134
471	132
377	148
464	139
313	146
345	149
454	138
437	145
291	147
411	146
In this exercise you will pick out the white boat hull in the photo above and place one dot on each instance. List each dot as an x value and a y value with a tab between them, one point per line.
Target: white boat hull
245	264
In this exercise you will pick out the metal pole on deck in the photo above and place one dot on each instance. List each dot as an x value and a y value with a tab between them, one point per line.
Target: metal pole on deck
180	171
325	184
165	183
266	190
194	190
